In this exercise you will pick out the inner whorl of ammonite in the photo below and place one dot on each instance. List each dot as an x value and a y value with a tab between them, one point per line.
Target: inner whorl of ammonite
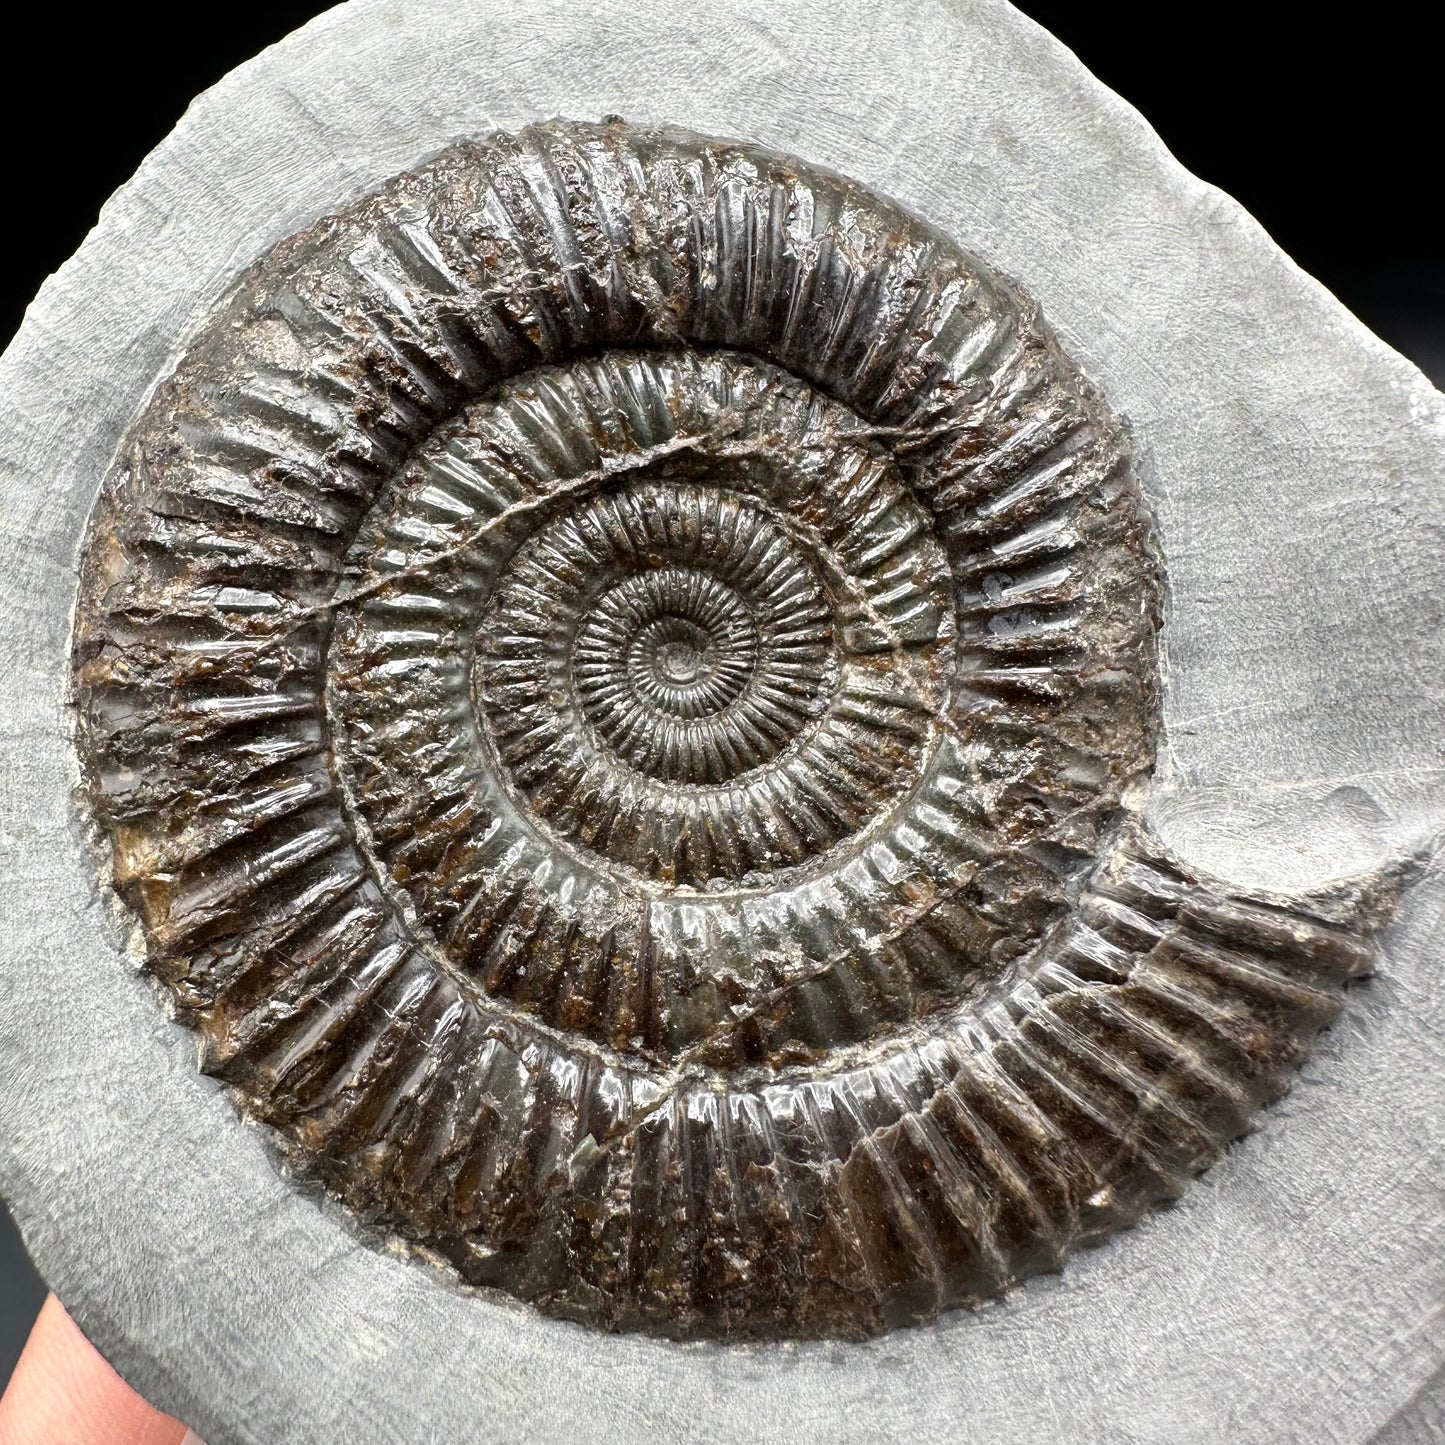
618	674
697	638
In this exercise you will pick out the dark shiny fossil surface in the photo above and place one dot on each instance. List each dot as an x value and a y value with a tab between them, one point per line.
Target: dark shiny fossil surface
619	675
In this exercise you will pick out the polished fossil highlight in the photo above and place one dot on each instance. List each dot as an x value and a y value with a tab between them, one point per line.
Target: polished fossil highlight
619	674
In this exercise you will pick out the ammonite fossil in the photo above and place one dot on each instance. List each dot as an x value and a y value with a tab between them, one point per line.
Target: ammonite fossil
620	677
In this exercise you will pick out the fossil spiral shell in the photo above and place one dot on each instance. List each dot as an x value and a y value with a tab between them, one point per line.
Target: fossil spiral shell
618	674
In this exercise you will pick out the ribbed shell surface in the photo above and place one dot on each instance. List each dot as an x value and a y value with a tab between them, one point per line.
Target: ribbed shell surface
619	676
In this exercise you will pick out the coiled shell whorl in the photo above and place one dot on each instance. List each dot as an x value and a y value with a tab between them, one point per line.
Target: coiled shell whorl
618	674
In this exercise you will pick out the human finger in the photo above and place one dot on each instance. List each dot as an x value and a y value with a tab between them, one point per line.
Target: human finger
64	1391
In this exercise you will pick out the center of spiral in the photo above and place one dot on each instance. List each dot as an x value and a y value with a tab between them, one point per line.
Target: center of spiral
689	639
680	662
692	649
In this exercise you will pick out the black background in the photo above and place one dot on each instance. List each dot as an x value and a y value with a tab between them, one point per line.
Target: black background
1323	123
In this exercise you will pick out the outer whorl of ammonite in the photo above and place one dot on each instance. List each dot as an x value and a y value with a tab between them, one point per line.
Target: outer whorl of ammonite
618	674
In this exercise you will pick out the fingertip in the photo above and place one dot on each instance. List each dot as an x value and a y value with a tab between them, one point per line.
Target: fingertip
63	1390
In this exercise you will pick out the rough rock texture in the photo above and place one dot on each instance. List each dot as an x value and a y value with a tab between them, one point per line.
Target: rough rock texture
1294	466
605	671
